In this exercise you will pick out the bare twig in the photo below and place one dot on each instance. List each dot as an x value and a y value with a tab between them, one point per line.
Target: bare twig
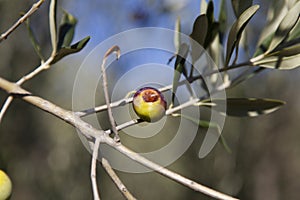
90	132
125	125
114	49
93	169
169	174
34	8
109	170
125	100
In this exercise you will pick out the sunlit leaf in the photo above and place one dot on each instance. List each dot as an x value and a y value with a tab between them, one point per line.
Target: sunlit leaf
237	29
208	124
203	7
289	50
66	30
52	23
286	25
264	45
295	32
276	12
64	51
239	6
177	38
278	62
244	107
33	40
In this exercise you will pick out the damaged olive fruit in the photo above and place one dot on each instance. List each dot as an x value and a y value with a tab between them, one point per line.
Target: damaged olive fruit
5	185
149	104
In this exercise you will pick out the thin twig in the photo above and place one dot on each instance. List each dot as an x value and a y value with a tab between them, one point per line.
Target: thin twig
169	174
34	8
93	169
90	132
122	188
125	125
114	49
125	101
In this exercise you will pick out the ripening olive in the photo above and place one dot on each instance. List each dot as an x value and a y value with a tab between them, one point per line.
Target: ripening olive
149	104
5	185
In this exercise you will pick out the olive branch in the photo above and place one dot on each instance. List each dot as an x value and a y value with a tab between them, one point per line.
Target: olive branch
279	50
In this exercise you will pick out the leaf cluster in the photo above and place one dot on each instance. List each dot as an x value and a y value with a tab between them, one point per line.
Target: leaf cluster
277	49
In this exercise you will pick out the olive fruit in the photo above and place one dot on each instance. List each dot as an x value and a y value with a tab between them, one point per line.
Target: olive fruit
5	185
149	104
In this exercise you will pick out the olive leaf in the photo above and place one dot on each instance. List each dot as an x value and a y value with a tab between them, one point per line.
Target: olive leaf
198	34
64	51
239	6
66	30
203	7
276	12
264	45
177	38
33	40
222	20
244	107
213	27
279	62
286	25
237	29
295	32
52	24
208	124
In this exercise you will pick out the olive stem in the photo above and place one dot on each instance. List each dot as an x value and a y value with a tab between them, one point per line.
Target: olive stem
125	100
93	169
90	132
114	49
114	177
33	8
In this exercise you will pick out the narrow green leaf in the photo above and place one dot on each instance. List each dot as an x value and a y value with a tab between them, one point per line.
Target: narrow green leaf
177	38
52	24
179	67
208	124
295	32
222	20
64	51
66	30
239	6
287	51
237	29
212	26
198	34
210	12
33	40
244	107
203	7
276	12
277	62
286	25
264	45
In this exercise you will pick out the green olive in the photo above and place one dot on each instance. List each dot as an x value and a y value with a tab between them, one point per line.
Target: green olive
5	185
149	104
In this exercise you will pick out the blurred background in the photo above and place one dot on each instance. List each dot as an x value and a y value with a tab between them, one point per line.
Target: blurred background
45	157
